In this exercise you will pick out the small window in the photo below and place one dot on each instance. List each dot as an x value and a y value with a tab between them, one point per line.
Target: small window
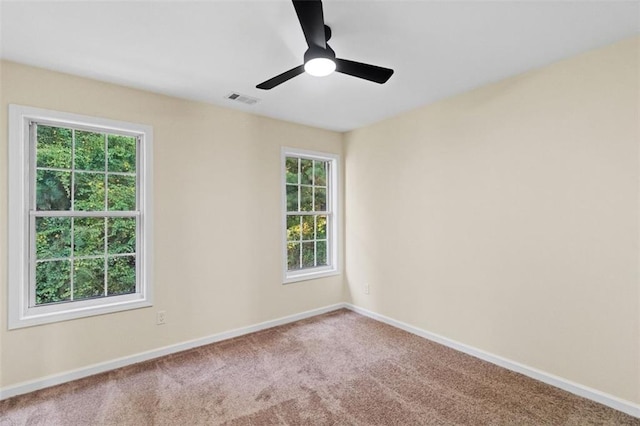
80	216
310	219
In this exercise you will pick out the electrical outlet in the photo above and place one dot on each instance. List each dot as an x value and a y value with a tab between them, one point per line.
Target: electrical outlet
366	288
161	318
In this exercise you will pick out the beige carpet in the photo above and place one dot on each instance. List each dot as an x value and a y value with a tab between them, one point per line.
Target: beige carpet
336	369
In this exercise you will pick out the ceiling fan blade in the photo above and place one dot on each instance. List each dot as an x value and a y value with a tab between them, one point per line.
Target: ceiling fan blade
312	21
366	71
279	79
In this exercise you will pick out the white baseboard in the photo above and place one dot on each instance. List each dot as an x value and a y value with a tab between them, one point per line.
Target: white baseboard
575	388
80	373
559	382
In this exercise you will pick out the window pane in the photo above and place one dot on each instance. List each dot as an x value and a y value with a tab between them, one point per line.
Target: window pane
321	227
321	253
122	153
321	199
308	255
53	190
54	147
122	192
292	198
292	170
293	256
122	235
121	278
306	198
293	228
88	236
89	191
306	172
89	154
88	278
53	281
307	228
53	237
320	173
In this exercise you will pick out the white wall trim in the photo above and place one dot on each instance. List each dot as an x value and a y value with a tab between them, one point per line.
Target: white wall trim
614	402
56	379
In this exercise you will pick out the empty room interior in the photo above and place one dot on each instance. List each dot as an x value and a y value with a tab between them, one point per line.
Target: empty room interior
305	212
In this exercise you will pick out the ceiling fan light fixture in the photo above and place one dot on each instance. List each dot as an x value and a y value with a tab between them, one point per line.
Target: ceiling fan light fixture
320	67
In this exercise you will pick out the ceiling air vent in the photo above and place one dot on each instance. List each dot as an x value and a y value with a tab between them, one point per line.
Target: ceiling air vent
242	98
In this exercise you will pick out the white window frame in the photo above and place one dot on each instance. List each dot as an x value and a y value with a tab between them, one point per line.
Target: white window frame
21	169
333	267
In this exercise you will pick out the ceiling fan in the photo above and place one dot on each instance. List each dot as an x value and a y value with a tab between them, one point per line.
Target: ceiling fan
320	59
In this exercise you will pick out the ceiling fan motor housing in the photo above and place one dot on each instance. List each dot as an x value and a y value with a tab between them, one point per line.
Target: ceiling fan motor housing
317	52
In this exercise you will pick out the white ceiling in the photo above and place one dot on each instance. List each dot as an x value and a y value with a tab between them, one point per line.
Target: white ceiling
205	50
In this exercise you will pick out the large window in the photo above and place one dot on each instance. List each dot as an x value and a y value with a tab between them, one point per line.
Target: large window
310	220
79	216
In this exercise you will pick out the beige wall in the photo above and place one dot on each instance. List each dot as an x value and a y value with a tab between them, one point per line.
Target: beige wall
506	218
217	225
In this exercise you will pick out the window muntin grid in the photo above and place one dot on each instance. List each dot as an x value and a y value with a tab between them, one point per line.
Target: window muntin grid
91	272
308	212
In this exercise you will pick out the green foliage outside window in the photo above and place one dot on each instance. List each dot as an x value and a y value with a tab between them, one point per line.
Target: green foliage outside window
306	192
84	257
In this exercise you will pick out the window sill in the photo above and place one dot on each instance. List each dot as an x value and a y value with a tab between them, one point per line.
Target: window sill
37	316
309	275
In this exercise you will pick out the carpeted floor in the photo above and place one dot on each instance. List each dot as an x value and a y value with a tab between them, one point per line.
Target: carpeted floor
335	369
